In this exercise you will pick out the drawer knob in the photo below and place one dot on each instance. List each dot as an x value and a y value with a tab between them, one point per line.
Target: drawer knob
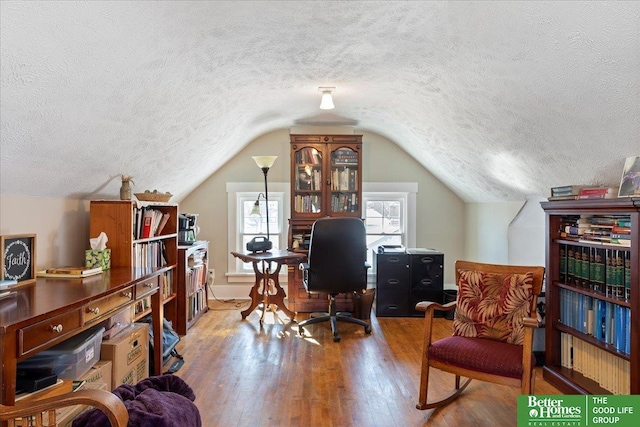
149	285
127	295
57	328
94	310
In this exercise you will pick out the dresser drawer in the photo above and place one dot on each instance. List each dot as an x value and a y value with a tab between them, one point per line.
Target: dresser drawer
98	308
147	287
44	332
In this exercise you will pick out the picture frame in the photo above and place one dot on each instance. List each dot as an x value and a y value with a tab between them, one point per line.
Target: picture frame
18	258
630	181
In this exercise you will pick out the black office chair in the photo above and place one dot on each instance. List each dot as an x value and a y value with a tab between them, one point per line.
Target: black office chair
337	263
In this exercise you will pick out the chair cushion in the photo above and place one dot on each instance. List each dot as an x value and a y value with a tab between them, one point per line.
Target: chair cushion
493	305
480	355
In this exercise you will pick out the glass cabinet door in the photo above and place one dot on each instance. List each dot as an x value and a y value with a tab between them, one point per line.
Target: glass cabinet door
308	181
344	181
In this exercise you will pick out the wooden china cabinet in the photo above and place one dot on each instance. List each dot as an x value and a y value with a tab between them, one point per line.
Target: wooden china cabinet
326	181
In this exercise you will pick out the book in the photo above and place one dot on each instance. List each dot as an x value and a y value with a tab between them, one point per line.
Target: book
598	193
564	197
162	223
43	273
7	283
77	271
147	220
566	190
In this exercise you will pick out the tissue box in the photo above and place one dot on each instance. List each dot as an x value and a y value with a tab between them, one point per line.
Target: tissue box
98	258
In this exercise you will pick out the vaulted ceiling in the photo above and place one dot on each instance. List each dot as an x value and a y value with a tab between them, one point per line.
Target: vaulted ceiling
499	100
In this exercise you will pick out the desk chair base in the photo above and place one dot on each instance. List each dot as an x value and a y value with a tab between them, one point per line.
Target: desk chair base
333	316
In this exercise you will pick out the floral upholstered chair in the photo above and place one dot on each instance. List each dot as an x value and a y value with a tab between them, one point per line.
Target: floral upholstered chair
492	329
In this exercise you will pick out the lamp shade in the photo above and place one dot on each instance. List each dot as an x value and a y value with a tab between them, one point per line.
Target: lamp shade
327	101
264	161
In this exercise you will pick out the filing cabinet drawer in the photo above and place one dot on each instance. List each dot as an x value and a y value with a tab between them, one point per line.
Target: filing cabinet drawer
42	333
392	303
147	287
96	309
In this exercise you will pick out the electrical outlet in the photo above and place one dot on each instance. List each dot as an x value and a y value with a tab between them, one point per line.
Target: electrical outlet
212	276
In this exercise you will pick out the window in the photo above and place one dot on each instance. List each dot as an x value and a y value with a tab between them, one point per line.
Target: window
245	223
389	213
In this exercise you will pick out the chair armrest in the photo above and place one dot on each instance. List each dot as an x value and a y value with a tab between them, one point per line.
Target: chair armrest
107	402
531	322
431	305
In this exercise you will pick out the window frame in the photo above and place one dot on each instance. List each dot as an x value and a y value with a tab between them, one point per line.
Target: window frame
405	192
237	192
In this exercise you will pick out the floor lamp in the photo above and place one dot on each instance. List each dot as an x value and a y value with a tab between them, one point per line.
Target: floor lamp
259	244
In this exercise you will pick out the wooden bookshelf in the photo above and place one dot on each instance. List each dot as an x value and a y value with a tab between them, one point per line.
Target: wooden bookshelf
326	180
578	299
193	268
121	220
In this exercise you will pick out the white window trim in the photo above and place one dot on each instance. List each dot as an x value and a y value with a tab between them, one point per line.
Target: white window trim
396	190
279	190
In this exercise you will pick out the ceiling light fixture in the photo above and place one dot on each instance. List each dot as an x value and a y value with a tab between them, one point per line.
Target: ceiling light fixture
327	99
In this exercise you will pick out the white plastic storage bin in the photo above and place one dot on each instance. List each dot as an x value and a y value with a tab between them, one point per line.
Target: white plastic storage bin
70	359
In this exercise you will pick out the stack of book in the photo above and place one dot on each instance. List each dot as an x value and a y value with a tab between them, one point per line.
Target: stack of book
577	192
566	192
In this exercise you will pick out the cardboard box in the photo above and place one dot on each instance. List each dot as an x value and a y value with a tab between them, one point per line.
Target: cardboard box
66	415
129	353
99	373
95	258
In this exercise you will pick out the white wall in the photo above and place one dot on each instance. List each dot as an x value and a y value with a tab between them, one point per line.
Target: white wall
487	227
527	234
440	213
61	227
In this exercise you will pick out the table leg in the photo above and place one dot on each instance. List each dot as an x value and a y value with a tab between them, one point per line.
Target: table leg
278	298
254	294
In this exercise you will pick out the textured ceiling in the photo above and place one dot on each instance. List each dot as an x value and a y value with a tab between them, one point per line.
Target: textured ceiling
499	100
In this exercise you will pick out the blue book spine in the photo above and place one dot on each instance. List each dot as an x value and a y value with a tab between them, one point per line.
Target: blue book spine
608	323
580	312
621	327
601	316
627	342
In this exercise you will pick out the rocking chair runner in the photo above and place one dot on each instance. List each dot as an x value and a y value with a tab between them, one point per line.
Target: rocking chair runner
493	329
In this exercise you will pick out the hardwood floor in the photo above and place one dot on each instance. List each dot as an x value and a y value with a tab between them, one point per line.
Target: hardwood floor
245	375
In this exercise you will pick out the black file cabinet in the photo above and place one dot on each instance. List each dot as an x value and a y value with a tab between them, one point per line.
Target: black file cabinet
405	277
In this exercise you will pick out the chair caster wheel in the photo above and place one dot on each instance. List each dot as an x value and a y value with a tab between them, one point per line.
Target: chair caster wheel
367	330
336	338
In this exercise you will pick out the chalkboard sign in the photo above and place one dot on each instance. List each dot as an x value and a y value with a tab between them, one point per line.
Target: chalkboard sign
18	257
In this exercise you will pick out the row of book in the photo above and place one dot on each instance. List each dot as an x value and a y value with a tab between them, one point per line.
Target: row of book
148	222
309	180
149	255
309	156
197	303
608	230
344	156
309	203
577	192
167	283
344	203
608	370
196	278
344	179
606	271
604	320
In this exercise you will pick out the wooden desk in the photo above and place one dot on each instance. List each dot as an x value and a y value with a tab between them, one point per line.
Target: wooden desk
50	311
265	275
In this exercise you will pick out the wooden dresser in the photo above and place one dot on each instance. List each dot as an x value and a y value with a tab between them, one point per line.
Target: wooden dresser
52	310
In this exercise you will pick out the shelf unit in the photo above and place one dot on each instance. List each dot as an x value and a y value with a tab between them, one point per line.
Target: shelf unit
192	273
587	350
326	180
121	221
